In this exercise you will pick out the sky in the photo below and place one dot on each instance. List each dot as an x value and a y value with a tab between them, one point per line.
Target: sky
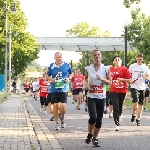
51	18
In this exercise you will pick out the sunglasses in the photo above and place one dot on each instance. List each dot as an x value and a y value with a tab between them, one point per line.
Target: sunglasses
117	59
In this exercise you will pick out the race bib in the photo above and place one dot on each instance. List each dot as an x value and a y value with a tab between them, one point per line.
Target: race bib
137	75
59	84
44	89
79	85
96	89
118	84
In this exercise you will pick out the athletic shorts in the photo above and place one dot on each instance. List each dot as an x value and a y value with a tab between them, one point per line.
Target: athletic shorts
43	101
58	97
49	98
146	93
77	91
27	89
137	95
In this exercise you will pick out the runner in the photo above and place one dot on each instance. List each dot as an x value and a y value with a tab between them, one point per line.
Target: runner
14	85
73	96
118	89
86	100
147	84
31	88
98	76
49	100
35	85
109	106
43	93
85	93
27	87
58	73
139	73
77	82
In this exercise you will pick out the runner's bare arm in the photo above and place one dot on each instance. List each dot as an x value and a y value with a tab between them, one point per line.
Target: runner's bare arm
86	78
50	79
86	83
70	76
147	76
46	82
125	80
108	78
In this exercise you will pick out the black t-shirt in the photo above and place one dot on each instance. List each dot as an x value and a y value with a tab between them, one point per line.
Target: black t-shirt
14	84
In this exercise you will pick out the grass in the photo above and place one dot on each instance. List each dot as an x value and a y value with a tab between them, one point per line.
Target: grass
2	97
33	148
129	101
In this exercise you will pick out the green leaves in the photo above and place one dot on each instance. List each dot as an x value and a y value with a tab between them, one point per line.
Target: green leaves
24	45
139	32
127	3
84	29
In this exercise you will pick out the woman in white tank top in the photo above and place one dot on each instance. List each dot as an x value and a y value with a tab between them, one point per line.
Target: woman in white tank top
96	78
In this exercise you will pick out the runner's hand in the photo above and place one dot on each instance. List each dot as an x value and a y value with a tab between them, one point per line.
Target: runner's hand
53	80
120	79
99	77
144	76
67	80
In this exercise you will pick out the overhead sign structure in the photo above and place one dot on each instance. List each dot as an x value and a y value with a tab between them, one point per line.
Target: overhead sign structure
34	74
82	44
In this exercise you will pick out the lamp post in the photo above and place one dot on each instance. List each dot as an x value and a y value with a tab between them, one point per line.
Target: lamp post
10	60
13	10
126	48
6	9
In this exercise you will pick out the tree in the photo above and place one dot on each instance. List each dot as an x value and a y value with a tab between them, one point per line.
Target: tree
139	32
127	3
32	67
84	29
24	45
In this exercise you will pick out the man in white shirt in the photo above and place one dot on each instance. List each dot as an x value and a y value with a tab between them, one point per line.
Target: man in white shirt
139	73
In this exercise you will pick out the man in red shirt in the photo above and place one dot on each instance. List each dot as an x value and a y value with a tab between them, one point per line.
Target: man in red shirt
43	94
77	82
118	89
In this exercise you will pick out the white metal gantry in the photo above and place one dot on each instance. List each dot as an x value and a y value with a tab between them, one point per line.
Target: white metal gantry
81	44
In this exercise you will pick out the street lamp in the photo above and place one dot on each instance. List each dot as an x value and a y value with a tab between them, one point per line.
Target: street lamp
9	60
6	48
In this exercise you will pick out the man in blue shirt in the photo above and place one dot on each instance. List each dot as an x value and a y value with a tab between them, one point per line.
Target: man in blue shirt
58	74
146	94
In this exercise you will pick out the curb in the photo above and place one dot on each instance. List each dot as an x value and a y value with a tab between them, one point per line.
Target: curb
33	140
42	134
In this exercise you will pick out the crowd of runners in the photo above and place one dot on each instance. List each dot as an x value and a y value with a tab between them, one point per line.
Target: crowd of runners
102	89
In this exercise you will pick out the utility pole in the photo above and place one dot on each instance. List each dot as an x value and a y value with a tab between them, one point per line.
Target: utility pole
126	48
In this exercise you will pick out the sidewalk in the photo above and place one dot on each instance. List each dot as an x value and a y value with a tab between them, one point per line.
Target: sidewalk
23	127
16	132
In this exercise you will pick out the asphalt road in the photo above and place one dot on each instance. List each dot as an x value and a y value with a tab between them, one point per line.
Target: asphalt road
130	136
